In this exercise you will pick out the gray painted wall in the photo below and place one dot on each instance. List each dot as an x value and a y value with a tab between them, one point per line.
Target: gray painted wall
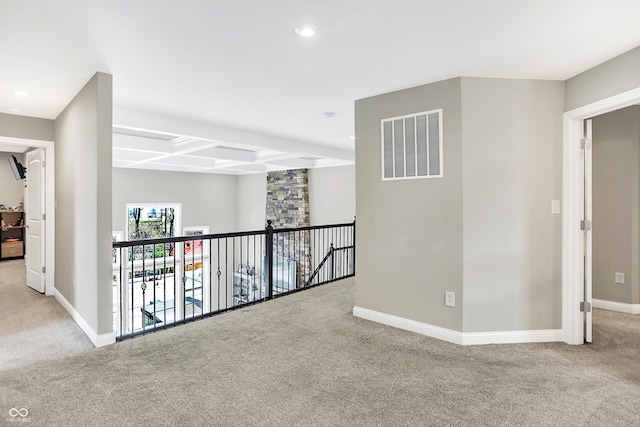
207	199
252	201
409	233
332	195
512	157
616	205
11	190
613	77
26	127
485	231
83	195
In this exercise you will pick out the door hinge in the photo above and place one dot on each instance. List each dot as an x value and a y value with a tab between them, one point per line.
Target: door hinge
44	269
44	217
585	143
585	307
585	225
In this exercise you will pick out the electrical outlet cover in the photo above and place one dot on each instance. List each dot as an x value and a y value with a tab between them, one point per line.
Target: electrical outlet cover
450	299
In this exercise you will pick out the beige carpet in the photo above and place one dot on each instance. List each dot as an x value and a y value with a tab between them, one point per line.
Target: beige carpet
304	360
33	327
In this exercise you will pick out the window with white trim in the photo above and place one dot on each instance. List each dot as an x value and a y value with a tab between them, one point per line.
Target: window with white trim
412	146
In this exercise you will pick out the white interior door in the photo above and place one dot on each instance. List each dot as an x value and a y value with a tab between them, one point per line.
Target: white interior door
588	241
35	224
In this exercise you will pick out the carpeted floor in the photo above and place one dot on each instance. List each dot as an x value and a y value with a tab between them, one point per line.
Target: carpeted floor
304	360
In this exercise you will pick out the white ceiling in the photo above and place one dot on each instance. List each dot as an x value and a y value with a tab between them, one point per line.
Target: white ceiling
228	87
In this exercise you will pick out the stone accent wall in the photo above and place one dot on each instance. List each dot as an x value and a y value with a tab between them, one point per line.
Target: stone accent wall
288	207
288	198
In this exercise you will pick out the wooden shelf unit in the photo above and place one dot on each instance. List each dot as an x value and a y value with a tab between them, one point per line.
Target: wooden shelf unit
11	235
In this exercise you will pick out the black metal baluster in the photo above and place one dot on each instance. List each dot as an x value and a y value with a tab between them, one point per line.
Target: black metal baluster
233	265
226	274
269	252
184	300
320	255
175	283
193	280
299	258
210	277
122	290
154	285
164	283
133	275
307	245
143	286
254	285
262	267
219	273
144	276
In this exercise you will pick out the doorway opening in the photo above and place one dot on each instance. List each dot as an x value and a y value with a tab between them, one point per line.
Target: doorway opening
46	257
576	237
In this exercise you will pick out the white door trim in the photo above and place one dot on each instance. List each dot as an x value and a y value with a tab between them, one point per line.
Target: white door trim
573	202
49	203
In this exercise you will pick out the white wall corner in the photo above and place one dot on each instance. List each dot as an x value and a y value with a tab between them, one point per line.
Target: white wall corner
97	340
455	337
616	306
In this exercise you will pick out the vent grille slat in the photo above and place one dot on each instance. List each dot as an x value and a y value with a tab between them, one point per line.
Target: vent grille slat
387	143
398	135
412	146
422	145
434	144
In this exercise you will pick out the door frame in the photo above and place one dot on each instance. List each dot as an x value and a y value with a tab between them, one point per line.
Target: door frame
49	207
573	188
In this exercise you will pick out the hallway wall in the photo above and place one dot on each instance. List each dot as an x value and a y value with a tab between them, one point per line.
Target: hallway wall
83	142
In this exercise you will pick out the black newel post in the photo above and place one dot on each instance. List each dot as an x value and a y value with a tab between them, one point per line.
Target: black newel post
269	261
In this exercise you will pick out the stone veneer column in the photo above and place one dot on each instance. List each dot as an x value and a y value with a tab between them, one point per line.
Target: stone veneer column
288	207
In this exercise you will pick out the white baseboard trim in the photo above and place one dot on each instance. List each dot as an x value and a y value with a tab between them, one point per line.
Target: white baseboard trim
455	337
97	340
616	306
513	337
443	334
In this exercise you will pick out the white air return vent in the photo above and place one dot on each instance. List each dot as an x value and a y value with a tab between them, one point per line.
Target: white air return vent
412	146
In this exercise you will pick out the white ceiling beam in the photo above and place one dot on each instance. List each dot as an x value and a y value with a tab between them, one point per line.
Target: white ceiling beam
227	154
137	120
242	166
137	143
293	163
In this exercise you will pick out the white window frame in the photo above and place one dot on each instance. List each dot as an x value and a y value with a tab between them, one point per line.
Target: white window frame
137	265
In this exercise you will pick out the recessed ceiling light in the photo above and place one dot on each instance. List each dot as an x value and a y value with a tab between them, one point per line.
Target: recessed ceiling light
21	93
306	30
328	114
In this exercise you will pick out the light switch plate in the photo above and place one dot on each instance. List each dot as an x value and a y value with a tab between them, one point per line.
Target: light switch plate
555	206
619	278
